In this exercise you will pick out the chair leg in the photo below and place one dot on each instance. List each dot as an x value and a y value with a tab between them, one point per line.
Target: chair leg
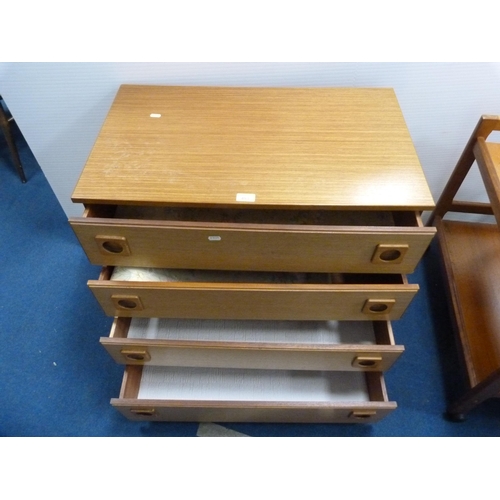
5	125
15	155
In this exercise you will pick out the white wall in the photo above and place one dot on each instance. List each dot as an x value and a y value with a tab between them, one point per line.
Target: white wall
60	107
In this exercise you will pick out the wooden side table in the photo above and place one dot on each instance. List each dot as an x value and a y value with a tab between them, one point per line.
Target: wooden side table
470	252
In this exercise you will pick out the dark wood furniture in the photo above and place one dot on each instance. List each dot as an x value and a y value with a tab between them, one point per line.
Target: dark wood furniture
5	124
470	250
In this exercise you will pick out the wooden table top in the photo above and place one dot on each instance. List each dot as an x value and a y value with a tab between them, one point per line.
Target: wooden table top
264	147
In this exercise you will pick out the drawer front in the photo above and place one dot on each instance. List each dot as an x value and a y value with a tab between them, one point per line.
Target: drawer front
276	354
370	408
252	247
252	301
185	411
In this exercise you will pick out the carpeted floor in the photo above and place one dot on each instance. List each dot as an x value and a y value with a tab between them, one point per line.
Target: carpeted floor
56	379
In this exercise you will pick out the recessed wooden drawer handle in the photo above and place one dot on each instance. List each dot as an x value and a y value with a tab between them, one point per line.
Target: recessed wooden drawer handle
127	302
378	306
143	412
366	361
389	254
112	245
136	354
362	414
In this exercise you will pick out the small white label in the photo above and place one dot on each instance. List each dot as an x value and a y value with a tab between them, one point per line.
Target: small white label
214	238
155	115
248	197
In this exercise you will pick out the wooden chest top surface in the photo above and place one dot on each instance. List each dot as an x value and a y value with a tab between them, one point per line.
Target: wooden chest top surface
263	147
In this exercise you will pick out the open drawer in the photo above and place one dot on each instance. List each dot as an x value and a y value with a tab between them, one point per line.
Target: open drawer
152	293
253	239
230	395
281	345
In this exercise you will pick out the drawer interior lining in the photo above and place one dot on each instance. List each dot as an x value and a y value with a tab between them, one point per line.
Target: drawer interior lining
143	274
204	276
302	332
257	216
212	384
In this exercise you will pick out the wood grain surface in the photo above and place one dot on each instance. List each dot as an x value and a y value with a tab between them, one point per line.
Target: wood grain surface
266	147
471	254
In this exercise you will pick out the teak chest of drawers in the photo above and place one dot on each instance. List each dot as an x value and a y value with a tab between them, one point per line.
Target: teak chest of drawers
254	244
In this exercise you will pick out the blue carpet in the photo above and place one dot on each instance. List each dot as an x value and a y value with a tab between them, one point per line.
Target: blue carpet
56	379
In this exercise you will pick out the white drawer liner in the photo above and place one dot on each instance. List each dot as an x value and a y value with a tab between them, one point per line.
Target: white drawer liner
203	276
213	384
307	332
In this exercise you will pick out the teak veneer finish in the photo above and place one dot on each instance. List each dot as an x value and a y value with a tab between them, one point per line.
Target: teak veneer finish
134	408
471	258
250	354
315	147
321	300
252	246
324	181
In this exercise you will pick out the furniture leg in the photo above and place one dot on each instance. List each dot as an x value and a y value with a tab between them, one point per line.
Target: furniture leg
488	388
4	122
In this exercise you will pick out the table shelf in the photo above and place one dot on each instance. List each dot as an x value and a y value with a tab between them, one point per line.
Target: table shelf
471	260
